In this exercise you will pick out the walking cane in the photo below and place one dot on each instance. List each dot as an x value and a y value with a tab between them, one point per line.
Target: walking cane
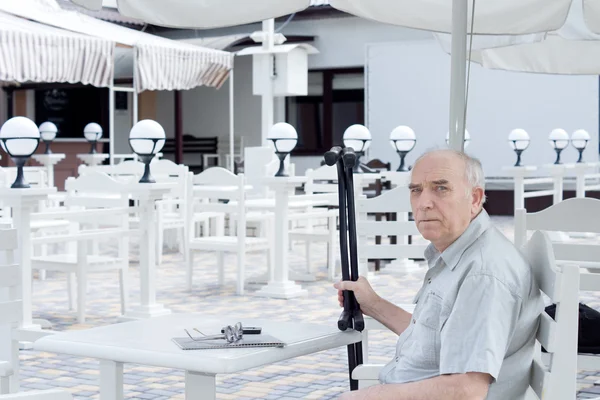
351	316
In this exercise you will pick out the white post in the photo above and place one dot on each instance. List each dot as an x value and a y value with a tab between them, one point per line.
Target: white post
267	97
111	123
519	192
134	117
458	71
111	380
558	188
231	123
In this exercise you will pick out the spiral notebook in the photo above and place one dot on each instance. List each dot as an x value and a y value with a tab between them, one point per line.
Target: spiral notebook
185	343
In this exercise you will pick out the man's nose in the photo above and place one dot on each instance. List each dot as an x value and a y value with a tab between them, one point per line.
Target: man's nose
425	200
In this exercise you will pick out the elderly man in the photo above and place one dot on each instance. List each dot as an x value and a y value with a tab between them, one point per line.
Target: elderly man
473	330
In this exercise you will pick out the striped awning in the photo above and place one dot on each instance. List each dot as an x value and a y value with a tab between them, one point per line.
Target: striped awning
162	64
33	52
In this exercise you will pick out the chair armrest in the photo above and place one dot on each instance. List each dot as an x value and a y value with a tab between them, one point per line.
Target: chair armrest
367	372
5	369
51	394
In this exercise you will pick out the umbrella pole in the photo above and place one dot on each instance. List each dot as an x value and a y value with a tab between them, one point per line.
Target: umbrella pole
231	124
458	73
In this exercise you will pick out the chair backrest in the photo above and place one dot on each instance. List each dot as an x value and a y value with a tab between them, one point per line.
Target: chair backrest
96	189
125	169
558	380
217	189
576	215
10	310
395	201
321	180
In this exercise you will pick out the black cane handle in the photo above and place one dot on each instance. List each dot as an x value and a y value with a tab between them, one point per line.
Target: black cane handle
349	157
332	156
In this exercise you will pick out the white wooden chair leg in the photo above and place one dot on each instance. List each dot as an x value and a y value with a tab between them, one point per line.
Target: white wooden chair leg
199	386
189	269
159	243
4	385
307	250
71	284
221	267
111	380
15	379
81	283
124	281
241	272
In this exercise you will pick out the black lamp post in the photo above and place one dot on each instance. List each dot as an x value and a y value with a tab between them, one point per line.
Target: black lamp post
19	138
403	140
559	140
146	138
92	133
284	138
48	133
358	137
518	140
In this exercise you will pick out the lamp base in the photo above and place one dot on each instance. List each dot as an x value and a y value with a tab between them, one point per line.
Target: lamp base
580	159
146	159
518	163
20	182
557	161
48	151
402	167
281	171
93	148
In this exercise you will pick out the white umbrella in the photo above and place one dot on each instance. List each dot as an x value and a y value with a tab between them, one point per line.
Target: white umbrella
571	50
513	17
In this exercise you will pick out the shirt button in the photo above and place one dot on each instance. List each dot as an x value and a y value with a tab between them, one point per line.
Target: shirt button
428	280
414	321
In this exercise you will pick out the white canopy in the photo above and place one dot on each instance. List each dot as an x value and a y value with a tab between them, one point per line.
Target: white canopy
32	52
572	50
162	64
491	16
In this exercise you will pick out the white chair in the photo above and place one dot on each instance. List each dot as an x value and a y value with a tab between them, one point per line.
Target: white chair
51	394
395	201
235	194
10	309
94	218
557	380
575	215
172	210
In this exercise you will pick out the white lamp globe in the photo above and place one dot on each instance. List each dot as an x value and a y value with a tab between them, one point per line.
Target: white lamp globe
580	138
19	137
467	139
358	137
92	132
558	139
403	138
518	139
283	136
48	131
147	137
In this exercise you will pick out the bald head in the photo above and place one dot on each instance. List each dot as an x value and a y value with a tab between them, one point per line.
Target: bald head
447	193
460	161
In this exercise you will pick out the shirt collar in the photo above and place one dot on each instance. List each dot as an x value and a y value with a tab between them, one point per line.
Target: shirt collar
454	252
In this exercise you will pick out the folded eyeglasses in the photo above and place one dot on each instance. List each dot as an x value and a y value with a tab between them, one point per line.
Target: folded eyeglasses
230	333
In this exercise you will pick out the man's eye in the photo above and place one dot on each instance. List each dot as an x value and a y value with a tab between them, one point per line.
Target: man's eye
441	188
415	190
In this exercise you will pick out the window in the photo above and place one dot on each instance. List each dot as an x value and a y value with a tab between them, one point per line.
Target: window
335	101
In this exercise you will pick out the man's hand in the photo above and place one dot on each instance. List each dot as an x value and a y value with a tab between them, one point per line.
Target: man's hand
364	293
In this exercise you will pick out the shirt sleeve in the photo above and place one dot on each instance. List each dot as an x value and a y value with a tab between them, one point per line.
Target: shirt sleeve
476	335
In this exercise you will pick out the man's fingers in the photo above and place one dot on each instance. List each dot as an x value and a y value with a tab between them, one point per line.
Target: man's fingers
345	285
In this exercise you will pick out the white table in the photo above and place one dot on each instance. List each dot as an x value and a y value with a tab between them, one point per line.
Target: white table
148	342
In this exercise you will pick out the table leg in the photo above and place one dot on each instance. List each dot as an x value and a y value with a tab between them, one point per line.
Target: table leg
148	306
281	287
200	386
111	380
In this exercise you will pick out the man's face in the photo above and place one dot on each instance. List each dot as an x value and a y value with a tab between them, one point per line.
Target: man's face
442	201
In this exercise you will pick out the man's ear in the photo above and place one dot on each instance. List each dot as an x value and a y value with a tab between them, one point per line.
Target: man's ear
476	199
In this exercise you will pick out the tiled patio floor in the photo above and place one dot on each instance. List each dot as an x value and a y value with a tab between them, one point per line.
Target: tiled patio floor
319	376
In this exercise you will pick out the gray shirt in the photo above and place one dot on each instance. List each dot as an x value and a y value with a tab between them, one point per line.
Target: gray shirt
477	311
